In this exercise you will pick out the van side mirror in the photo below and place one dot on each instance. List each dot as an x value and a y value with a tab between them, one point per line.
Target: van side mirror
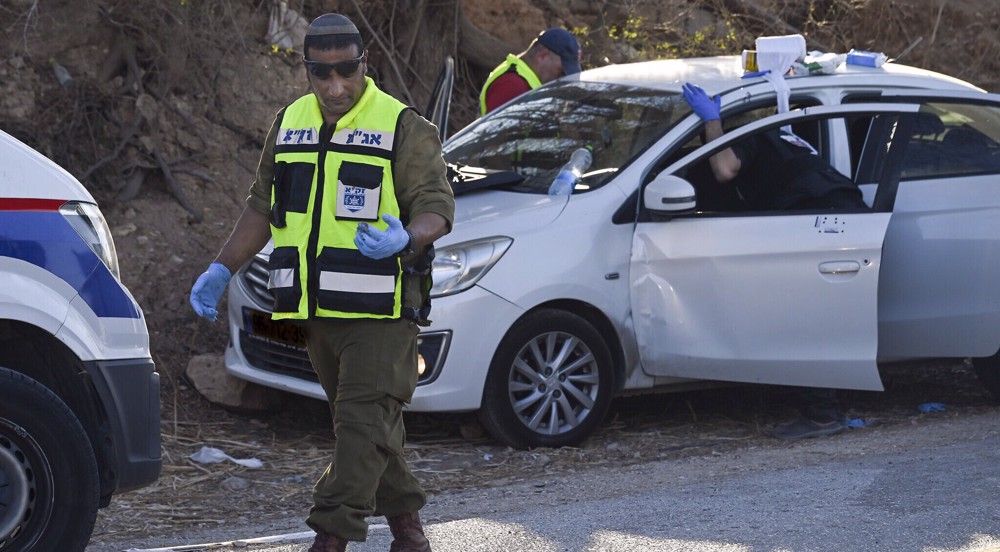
668	194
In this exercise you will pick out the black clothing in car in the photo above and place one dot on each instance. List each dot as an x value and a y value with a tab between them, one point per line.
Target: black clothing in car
779	170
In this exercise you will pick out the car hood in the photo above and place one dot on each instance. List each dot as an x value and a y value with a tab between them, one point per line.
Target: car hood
492	213
500	213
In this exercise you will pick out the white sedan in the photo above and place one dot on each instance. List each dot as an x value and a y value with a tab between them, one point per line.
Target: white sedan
652	276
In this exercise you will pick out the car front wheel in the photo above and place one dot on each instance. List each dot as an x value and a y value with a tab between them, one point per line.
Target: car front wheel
550	382
48	473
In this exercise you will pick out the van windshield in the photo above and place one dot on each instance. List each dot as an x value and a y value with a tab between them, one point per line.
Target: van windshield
535	134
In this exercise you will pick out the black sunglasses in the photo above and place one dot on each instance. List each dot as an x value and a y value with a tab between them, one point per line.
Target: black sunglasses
344	68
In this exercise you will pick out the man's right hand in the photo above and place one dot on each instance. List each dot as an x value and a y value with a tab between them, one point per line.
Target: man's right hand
707	108
378	244
208	290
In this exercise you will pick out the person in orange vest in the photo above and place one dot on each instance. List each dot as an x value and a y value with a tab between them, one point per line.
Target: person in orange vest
552	54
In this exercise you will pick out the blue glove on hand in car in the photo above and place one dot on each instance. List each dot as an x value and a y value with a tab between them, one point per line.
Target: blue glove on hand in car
375	243
706	108
207	290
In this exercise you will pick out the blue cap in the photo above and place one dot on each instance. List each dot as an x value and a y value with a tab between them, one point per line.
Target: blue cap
564	44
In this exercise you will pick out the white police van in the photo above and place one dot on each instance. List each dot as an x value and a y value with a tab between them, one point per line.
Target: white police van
79	394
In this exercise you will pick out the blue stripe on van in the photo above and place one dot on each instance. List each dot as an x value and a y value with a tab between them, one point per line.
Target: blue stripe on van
46	239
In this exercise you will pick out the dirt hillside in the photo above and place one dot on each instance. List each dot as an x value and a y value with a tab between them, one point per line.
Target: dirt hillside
167	102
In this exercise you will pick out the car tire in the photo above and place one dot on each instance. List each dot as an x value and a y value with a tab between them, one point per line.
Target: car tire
988	372
49	489
550	382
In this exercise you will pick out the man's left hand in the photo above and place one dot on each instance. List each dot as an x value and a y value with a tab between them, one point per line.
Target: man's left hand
378	244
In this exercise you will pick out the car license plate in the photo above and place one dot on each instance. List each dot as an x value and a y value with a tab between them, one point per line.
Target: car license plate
259	324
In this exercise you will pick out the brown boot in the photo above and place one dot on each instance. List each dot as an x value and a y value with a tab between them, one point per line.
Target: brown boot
407	534
326	542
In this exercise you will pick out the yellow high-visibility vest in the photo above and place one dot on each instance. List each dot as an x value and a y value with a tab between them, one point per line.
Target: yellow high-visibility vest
512	62
326	181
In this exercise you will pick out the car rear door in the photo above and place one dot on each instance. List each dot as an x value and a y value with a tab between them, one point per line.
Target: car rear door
938	288
776	297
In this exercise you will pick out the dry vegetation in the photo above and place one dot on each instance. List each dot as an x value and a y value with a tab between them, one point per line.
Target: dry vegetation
158	86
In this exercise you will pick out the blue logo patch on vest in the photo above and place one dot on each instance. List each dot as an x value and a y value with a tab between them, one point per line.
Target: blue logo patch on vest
354	198
357	202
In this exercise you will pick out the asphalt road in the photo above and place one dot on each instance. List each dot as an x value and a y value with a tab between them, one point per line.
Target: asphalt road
932	486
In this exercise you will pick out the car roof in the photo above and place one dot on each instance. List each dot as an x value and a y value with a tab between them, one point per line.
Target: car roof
722	74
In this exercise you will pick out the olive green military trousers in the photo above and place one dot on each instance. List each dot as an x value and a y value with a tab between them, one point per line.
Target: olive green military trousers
368	368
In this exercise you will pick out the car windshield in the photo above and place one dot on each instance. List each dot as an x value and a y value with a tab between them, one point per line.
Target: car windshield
535	135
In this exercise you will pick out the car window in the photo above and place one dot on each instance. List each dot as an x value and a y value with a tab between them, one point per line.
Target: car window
535	135
715	197
953	139
858	131
768	172
811	131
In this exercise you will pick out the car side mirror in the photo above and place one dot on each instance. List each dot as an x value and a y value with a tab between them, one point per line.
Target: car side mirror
668	194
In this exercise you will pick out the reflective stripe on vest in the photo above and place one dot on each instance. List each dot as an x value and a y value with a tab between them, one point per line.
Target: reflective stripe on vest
326	182
355	283
523	70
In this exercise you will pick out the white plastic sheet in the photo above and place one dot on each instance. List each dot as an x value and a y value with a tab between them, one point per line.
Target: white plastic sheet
286	29
775	55
211	455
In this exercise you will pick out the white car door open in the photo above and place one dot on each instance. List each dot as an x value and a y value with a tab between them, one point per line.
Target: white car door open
784	298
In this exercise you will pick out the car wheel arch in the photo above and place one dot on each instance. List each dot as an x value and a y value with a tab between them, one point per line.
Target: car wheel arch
41	436
569	343
36	354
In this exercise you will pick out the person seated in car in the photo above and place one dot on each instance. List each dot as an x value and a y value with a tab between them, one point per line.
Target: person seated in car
777	170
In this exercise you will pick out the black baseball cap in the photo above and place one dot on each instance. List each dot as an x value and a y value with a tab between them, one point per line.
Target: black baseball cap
564	44
331	24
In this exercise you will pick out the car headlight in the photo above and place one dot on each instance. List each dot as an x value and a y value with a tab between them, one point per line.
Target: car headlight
88	221
458	267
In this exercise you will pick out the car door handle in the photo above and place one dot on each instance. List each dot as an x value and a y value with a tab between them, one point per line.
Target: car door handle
839	267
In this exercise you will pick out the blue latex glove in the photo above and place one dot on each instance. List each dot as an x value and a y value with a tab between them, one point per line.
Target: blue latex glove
706	108
855	423
207	290
377	244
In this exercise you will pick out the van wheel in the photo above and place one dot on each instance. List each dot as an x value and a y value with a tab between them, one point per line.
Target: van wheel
988	372
550	382
48	473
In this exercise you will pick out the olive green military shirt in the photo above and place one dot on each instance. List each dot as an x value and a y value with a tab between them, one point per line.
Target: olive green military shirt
419	173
